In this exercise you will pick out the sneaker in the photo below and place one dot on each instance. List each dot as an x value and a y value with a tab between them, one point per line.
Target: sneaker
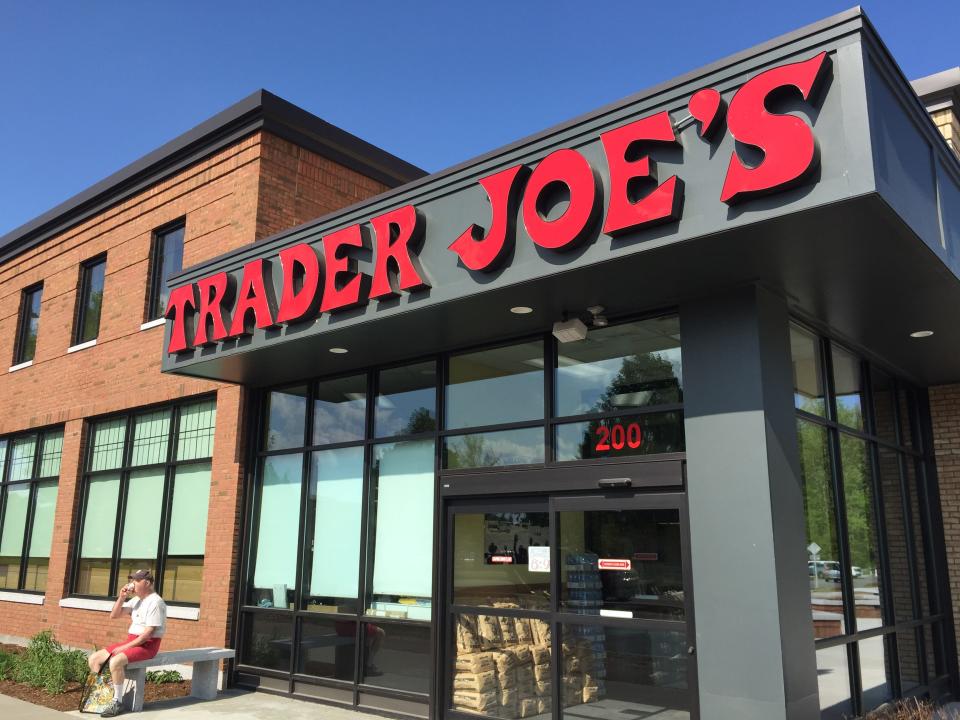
113	709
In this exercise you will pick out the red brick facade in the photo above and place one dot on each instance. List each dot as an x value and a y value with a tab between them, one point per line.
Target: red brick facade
257	186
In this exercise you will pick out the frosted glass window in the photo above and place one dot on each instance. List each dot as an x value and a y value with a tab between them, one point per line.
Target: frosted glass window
42	532
21	458
100	519
108	439
495	386
188	516
51	453
403	480
14	520
141	525
151	434
275	568
3	458
333	512
195	437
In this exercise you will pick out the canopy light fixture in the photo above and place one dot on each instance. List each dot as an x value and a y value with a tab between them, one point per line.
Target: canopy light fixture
921	333
339	350
599	319
521	310
570	330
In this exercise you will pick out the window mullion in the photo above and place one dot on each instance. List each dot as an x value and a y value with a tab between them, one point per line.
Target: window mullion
166	507
27	531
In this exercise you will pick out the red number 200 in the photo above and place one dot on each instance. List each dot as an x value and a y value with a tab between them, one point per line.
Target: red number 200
617	438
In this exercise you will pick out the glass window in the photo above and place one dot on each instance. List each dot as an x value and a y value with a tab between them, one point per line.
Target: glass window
90	300
495	386
340	410
28	505
833	677
397	656
327	648
286	418
620	436
896	531
406	400
491	559
619	367
823	552
848	386
917	524
275	563
266	641
875	672
884	406
807	380
137	471
28	325
648	582
402	489
523	446
861	532
166	260
331	568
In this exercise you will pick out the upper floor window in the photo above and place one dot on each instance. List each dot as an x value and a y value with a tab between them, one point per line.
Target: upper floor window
27	324
166	259
146	488
90	300
29	467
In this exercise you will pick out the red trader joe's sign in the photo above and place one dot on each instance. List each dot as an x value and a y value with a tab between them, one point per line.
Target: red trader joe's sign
326	279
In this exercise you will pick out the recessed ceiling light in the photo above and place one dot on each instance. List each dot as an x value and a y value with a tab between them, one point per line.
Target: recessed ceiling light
521	310
921	333
339	351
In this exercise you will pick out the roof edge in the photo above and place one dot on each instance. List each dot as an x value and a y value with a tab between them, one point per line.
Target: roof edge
259	110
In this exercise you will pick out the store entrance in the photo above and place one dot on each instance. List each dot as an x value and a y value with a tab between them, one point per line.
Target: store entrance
569	606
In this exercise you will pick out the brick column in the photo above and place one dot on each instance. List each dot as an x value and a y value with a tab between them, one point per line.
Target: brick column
945	418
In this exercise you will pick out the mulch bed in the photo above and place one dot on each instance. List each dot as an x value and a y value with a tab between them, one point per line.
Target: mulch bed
70	699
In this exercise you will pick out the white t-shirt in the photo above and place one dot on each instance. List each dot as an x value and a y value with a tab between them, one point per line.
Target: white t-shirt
151	611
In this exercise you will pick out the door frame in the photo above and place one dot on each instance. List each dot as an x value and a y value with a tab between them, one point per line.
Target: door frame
628	498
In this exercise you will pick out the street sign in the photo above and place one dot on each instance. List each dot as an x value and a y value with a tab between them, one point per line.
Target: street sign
813	548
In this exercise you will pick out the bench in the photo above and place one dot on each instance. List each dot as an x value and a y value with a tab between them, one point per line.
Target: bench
205	673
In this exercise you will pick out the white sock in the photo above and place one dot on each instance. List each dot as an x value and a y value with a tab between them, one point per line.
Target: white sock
118	692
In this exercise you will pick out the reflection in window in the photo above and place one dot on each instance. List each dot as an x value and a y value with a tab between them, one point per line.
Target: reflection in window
406	400
339	410
875	672
848	386
833	679
495	386
333	530
267	641
402	486
397	656
620	437
491	559
623	366
275	565
327	648
823	567
861	532
894	524
286	418
523	446
807	381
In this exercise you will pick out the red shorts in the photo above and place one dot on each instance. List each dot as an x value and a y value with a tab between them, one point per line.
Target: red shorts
140	652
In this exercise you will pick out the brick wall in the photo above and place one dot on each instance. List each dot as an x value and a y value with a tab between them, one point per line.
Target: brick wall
945	417
255	187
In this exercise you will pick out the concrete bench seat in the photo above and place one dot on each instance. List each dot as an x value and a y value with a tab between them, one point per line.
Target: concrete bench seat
205	672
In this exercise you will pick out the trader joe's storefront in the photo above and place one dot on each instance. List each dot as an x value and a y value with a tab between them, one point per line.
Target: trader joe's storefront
624	418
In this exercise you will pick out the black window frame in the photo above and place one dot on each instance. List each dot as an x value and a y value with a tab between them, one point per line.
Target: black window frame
170	466
83	298
247	612
909	410
153	310
35	479
23	323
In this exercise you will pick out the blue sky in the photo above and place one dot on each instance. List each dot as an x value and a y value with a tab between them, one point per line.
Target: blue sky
88	87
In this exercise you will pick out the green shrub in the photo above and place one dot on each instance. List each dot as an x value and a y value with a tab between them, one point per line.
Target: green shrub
7	661
164	676
46	664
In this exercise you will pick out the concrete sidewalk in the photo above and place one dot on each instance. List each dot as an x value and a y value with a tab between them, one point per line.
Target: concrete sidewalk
233	704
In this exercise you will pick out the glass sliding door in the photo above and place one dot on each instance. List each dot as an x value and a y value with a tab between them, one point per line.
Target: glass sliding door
569	607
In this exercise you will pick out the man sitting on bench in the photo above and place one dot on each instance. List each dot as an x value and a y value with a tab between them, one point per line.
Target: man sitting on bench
148	614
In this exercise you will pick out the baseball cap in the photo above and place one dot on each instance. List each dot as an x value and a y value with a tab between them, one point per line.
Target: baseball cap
141	575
